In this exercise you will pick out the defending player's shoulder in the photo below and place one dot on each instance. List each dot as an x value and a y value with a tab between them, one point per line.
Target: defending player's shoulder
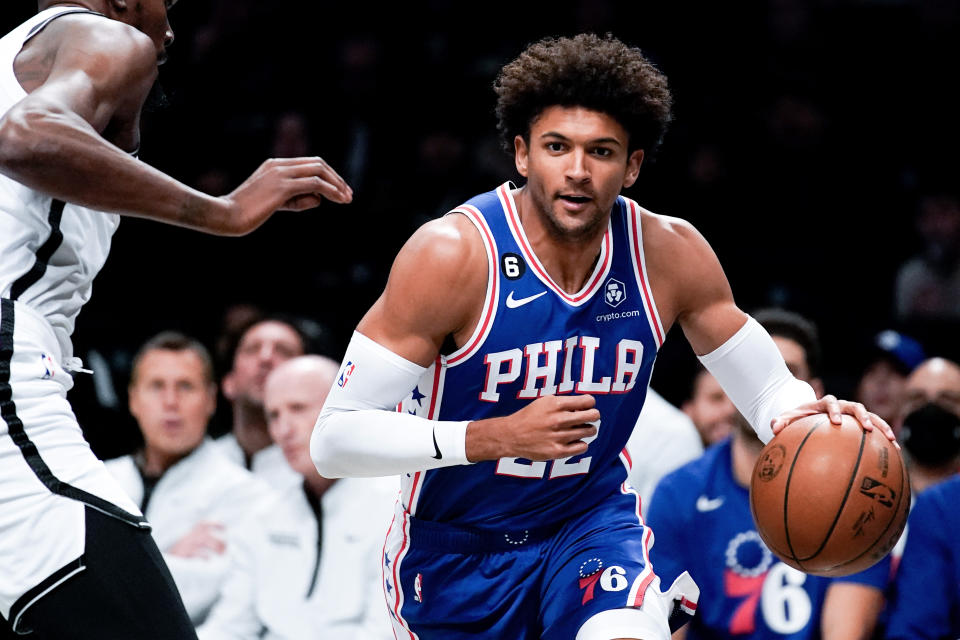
684	270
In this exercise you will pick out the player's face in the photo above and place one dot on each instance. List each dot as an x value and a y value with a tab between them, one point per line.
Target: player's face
292	403
264	346
710	409
150	17
576	163
172	400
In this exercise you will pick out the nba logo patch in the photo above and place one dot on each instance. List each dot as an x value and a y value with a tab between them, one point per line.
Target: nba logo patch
418	588
345	374
614	293
48	366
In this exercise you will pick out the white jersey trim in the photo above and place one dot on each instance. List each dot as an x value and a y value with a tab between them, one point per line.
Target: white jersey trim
640	270
492	297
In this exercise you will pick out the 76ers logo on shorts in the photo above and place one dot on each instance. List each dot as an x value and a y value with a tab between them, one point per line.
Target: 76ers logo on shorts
614	292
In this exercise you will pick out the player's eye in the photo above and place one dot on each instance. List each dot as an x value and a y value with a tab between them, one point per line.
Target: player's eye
556	147
603	152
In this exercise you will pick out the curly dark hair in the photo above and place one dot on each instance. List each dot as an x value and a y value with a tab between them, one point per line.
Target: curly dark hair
599	73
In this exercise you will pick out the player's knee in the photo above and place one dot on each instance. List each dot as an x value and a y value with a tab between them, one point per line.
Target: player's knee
624	624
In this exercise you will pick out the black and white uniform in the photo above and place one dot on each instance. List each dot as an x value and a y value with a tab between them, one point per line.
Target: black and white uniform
52	487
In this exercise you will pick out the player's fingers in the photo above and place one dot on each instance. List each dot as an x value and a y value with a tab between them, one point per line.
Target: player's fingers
885	429
831	406
302	203
574	418
315	165
316	185
575	403
573	448
781	422
859	412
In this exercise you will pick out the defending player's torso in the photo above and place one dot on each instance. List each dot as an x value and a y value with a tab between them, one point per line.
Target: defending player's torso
534	339
49	251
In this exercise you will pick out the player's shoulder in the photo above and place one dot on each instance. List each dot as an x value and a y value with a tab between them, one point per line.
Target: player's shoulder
446	247
663	234
100	41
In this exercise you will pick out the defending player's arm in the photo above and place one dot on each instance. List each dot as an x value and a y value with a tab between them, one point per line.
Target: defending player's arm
57	140
739	353
436	288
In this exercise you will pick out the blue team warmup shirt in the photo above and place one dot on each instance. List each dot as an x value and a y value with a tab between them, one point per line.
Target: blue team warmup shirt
703	524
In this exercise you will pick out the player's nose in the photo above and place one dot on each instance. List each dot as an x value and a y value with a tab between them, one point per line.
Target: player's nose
577	168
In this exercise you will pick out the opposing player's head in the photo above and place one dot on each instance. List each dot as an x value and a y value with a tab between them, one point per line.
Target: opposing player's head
295	393
260	347
172	396
147	16
579	114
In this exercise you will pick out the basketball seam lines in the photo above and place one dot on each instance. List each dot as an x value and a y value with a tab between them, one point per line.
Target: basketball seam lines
786	491
853	477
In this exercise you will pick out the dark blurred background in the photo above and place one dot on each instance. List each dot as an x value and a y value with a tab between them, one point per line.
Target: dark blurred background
813	145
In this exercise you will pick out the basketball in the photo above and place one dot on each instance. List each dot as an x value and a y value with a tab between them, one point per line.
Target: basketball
829	500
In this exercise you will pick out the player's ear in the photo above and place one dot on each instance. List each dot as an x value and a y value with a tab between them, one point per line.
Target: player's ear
521	154
633	168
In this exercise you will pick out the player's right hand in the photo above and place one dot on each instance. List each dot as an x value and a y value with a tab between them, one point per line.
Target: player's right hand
283	184
548	428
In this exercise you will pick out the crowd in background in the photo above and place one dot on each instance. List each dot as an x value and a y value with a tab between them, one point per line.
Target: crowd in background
813	145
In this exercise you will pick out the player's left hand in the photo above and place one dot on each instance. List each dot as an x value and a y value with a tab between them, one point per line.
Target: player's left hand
834	409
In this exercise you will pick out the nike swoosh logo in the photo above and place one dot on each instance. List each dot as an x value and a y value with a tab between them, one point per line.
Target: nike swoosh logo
513	303
706	504
439	455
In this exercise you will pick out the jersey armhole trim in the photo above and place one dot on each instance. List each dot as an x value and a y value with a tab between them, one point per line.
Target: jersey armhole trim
492	297
640	270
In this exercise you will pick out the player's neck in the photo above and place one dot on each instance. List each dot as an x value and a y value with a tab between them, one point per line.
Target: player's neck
568	260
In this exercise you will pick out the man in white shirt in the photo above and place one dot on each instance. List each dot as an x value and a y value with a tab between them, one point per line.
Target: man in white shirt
191	494
308	565
266	342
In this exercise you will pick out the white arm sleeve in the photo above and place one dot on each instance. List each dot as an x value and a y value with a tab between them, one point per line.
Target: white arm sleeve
752	372
359	433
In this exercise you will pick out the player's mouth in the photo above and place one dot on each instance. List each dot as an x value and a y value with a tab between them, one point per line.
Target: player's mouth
574	201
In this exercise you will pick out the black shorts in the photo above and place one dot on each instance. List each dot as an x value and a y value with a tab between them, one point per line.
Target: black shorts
123	592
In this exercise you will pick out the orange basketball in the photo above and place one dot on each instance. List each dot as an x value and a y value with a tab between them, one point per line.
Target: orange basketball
829	500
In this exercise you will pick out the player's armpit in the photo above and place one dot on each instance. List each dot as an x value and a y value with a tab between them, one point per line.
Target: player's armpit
850	611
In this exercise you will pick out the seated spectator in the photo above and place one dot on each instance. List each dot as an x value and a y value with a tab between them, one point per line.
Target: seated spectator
663	439
191	495
709	408
929	422
308	565
264	343
890	359
926	604
701	518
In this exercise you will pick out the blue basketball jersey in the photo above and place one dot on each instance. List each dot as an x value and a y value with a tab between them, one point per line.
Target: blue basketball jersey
703	524
534	339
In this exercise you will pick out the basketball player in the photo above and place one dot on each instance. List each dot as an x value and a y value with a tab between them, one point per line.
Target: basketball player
76	556
515	520
701	514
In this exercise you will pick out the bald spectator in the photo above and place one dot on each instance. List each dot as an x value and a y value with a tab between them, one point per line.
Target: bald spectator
262	345
929	422
310	563
189	492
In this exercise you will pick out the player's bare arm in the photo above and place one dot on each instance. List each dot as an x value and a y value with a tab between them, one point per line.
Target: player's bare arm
436	288
87	80
691	289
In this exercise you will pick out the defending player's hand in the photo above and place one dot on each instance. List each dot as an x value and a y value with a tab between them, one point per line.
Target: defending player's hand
835	408
548	428
284	184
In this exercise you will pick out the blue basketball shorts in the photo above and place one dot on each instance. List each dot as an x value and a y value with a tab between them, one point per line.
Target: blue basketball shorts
442	581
